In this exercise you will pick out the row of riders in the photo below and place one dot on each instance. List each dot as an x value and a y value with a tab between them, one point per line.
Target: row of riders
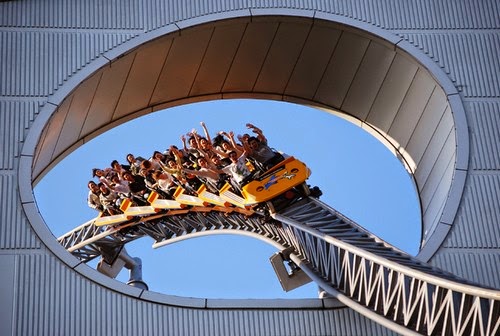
201	160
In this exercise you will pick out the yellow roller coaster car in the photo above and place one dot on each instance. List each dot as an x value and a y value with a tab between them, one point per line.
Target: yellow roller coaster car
274	182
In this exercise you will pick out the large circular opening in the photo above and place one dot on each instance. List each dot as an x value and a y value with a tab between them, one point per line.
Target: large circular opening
358	175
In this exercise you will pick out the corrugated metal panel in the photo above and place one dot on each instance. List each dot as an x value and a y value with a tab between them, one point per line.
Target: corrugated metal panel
470	59
477	222
53	299
15	119
150	14
426	14
178	10
57	301
15	230
438	14
485	134
80	14
480	266
7	293
26	56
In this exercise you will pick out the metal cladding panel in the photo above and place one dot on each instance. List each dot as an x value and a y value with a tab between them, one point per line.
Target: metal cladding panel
341	69
15	230
485	134
142	77
85	14
176	82
434	196
7	292
436	107
439	14
76	115
26	55
219	55
414	15
368	80
479	206
392	92
64	37
477	266
134	14
108	93
250	56
49	137
15	119
161	11
282	57
442	141
58	301
412	107
440	169
471	60
311	65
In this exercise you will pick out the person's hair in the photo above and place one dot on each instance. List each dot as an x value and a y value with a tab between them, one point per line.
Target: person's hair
114	162
129	154
146	164
156	174
89	182
217	140
252	138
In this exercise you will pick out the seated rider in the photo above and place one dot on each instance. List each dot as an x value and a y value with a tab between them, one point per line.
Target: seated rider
137	187
237	169
208	173
135	163
109	200
165	184
93	200
258	149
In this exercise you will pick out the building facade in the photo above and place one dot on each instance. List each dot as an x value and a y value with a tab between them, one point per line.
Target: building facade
421	77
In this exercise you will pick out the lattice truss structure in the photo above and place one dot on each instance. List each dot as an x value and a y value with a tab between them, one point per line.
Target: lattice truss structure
348	262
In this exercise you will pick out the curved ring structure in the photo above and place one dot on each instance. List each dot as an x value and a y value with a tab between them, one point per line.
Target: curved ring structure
417	76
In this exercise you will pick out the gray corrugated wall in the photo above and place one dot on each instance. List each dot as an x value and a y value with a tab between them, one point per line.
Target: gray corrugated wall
462	37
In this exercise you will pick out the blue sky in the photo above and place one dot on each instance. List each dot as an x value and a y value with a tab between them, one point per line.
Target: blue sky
358	176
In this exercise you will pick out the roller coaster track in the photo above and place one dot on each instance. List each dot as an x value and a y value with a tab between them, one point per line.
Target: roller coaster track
359	269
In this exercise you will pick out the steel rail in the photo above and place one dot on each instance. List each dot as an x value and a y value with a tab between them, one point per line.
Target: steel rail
358	268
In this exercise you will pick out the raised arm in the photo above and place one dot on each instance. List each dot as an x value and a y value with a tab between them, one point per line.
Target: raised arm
205	130
243	139
258	132
183	139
